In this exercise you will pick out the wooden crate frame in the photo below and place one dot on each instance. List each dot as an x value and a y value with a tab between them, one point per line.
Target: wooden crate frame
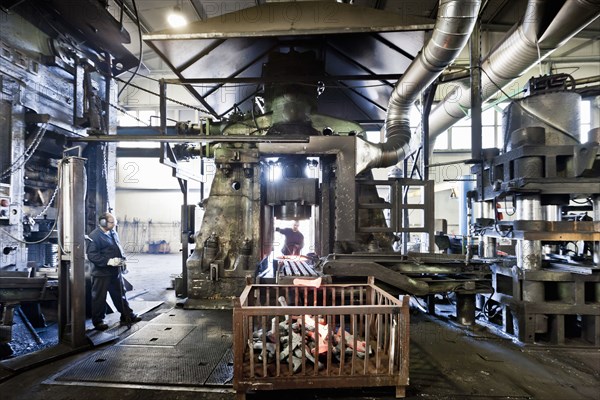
352	307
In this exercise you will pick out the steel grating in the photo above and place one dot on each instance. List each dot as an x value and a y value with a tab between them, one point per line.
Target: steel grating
159	335
187	354
196	317
158	366
223	372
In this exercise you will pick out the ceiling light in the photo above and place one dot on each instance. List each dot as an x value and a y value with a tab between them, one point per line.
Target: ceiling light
176	18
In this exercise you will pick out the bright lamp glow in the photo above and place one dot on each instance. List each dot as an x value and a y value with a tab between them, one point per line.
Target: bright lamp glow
176	19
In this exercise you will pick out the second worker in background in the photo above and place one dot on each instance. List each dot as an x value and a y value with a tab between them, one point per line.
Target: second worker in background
294	240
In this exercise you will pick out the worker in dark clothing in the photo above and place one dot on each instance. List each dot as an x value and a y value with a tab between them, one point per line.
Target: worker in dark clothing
105	252
294	239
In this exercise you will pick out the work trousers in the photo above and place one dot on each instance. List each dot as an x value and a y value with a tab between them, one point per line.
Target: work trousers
101	285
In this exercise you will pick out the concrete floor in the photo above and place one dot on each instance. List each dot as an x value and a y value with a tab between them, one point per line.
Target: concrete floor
447	361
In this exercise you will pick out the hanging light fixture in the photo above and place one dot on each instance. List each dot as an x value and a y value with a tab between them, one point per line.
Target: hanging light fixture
175	18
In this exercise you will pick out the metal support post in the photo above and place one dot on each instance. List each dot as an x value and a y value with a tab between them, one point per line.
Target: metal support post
529	252
465	309
596	201
71	318
187	229
163	106
489	244
475	43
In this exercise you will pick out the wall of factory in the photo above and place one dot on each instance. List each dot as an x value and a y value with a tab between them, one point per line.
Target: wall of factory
148	205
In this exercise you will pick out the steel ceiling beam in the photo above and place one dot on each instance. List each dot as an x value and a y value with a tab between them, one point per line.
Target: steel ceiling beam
190	88
128	9
194	138
237	104
355	63
198	56
287	79
239	71
351	100
199	9
382	108
497	11
392	46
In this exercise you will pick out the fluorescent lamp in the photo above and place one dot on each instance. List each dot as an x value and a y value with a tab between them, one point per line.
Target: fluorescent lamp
176	18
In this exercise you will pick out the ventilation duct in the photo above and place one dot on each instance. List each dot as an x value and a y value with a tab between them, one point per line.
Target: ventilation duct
545	27
451	32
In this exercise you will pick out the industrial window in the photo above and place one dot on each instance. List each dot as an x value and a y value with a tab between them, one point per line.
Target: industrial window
586	120
458	137
129	119
149	117
441	143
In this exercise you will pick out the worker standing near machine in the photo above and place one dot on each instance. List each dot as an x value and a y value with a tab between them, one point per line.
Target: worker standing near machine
294	240
105	252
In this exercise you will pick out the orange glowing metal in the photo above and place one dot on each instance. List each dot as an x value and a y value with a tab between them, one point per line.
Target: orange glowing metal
316	283
323	328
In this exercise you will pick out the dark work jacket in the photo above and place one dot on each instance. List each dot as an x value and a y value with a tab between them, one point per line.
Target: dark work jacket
294	241
100	249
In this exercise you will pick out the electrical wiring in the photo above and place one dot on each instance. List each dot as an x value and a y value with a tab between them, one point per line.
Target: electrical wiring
509	231
567	250
26	242
484	307
587	201
506	208
137	22
54	225
418	302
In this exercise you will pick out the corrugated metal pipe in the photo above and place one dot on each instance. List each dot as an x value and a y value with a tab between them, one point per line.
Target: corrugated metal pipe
546	26
455	21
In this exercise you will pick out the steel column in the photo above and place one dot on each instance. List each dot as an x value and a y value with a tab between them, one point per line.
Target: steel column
489	243
529	252
465	309
476	93
596	201
72	259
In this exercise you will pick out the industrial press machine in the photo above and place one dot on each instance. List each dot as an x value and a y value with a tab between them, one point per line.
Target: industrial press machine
280	157
310	176
546	181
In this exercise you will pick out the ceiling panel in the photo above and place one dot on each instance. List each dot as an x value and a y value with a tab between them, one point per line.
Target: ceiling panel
352	42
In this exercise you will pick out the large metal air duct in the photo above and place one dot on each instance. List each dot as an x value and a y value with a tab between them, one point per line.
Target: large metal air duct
545	27
455	21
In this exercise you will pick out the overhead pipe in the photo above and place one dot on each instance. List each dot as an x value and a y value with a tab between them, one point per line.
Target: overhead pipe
545	27
455	21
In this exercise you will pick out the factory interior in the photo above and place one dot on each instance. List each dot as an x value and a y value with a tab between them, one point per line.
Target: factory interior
351	199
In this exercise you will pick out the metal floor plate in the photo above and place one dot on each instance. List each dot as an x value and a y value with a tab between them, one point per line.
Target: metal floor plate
173	353
196	317
159	335
223	372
